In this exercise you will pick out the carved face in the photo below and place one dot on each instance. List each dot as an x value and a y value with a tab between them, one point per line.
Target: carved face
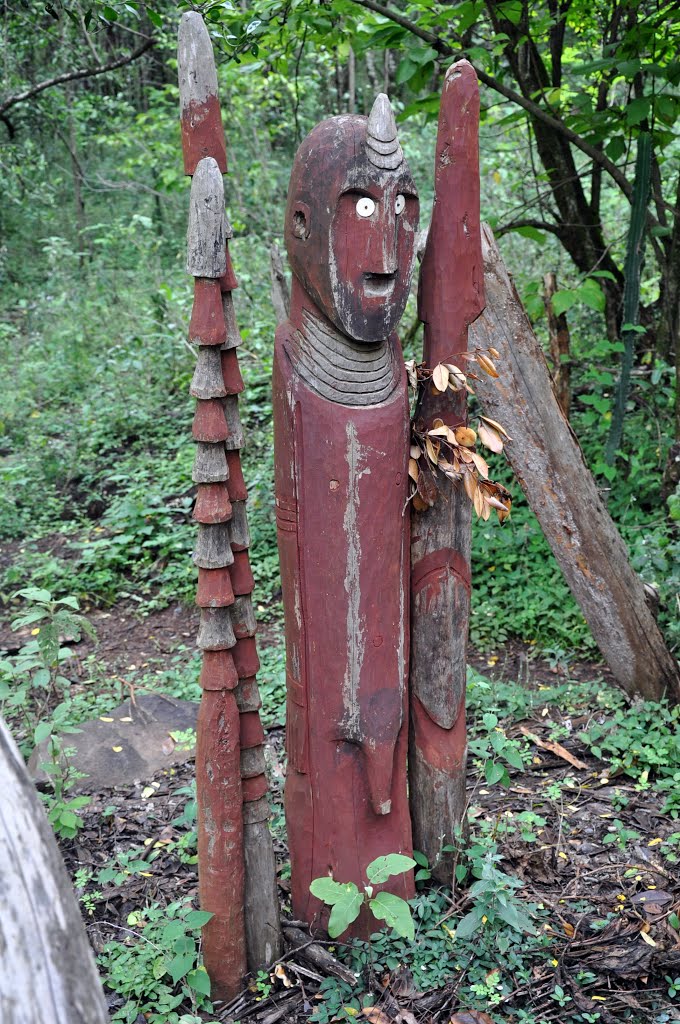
351	223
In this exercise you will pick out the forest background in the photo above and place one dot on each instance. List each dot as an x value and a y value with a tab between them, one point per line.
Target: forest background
95	303
95	412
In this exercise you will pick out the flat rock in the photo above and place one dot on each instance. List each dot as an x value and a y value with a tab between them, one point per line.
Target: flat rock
125	745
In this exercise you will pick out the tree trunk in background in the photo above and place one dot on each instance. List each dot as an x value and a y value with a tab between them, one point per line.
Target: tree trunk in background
558	330
351	82
548	463
48	971
280	287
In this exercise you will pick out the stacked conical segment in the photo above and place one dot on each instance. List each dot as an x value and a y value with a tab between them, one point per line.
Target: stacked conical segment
235	854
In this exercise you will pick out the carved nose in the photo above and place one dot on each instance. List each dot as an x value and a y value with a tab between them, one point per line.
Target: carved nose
384	246
379	759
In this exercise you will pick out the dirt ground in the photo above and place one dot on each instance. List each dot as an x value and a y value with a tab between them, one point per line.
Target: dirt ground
569	870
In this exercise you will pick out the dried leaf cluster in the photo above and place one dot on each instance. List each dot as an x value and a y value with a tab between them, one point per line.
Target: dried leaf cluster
451	450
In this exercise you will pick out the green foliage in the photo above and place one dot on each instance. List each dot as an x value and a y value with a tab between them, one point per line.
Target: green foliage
485	967
493	751
621	835
643	740
160	968
346	900
493	896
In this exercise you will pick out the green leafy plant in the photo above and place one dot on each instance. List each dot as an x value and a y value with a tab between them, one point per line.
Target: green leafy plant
157	967
620	835
642	740
491	747
346	900
494	900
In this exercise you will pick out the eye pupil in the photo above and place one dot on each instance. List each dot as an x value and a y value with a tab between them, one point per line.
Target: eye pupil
399	204
365	206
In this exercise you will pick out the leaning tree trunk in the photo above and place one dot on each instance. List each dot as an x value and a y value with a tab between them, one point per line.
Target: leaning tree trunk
48	972
549	465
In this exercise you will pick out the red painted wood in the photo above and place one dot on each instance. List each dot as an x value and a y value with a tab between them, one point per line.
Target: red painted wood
249	694
209	422
236	861
241	575
344	766
245	657
341	506
212	503
214	588
203	134
252	733
218	671
207	326
449	302
233	381
228	280
237	486
220	841
451	296
254	789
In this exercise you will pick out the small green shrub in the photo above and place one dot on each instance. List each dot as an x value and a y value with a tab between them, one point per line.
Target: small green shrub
157	967
346	900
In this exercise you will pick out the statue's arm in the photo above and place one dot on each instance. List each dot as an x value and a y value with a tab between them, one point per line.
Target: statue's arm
287	463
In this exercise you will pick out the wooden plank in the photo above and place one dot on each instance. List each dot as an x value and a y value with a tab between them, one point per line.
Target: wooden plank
549	466
48	971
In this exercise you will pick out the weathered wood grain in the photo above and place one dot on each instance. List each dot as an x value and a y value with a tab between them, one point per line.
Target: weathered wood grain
210	464
220	840
48	971
213	549
450	296
205	235
341	447
214	631
207	381
263	929
549	466
202	132
239	534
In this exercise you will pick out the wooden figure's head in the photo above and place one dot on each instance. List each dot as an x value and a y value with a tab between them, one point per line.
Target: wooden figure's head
351	222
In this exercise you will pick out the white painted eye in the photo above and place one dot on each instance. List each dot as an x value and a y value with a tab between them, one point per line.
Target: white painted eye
365	207
399	205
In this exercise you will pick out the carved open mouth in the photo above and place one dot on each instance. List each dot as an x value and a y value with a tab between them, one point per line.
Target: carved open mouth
379	284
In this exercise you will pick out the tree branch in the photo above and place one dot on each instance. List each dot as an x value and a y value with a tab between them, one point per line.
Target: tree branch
515	97
540	225
69	76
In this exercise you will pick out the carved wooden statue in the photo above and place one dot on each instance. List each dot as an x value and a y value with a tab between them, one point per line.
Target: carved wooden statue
237	877
341	423
451	296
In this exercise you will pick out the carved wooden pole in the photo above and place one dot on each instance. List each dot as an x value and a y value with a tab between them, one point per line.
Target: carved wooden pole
236	863
341	452
450	297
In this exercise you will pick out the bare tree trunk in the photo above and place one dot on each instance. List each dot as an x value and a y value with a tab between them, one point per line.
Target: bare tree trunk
48	972
280	289
549	465
558	330
351	82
